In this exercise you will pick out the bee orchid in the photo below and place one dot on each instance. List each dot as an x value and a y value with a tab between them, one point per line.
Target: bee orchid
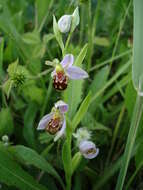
65	71
55	122
88	149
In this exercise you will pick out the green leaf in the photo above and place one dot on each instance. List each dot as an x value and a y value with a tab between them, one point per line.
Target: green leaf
48	37
75	19
57	34
33	93
42	12
137	69
12	68
102	41
66	157
81	55
7	87
1	57
12	174
97	84
82	111
139	156
75	161
138	109
130	99
6	124
28	130
31	38
7	25
71	95
31	157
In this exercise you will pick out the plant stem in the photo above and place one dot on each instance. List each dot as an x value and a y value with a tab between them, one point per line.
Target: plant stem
92	31
110	81
130	141
111	60
115	133
122	22
133	176
67	43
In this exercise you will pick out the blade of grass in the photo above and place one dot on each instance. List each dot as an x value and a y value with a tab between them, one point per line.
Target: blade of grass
82	111
92	30
122	22
137	80
110	60
110	171
130	141
113	79
133	176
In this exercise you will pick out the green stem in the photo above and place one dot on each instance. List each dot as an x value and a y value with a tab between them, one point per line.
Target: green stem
111	60
46	98
133	176
67	43
122	22
92	31
130	141
113	79
115	133
68	171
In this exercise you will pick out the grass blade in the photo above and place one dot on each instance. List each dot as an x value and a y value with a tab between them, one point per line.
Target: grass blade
130	141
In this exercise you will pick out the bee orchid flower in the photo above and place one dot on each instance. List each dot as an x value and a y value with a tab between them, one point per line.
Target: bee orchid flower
88	149
65	71
55	122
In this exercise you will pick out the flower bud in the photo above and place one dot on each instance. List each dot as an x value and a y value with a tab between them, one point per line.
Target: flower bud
18	79
64	23
82	134
88	149
5	138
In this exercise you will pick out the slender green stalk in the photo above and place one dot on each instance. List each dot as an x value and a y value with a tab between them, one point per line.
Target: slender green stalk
130	141
122	22
92	30
115	133
110	60
133	176
67	43
46	98
113	79
111	171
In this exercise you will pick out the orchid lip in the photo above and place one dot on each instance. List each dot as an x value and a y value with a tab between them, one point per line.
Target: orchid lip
50	123
61	132
88	149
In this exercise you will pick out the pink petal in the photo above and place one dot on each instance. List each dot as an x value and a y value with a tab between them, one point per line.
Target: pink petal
62	106
67	61
61	132
75	72
43	122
